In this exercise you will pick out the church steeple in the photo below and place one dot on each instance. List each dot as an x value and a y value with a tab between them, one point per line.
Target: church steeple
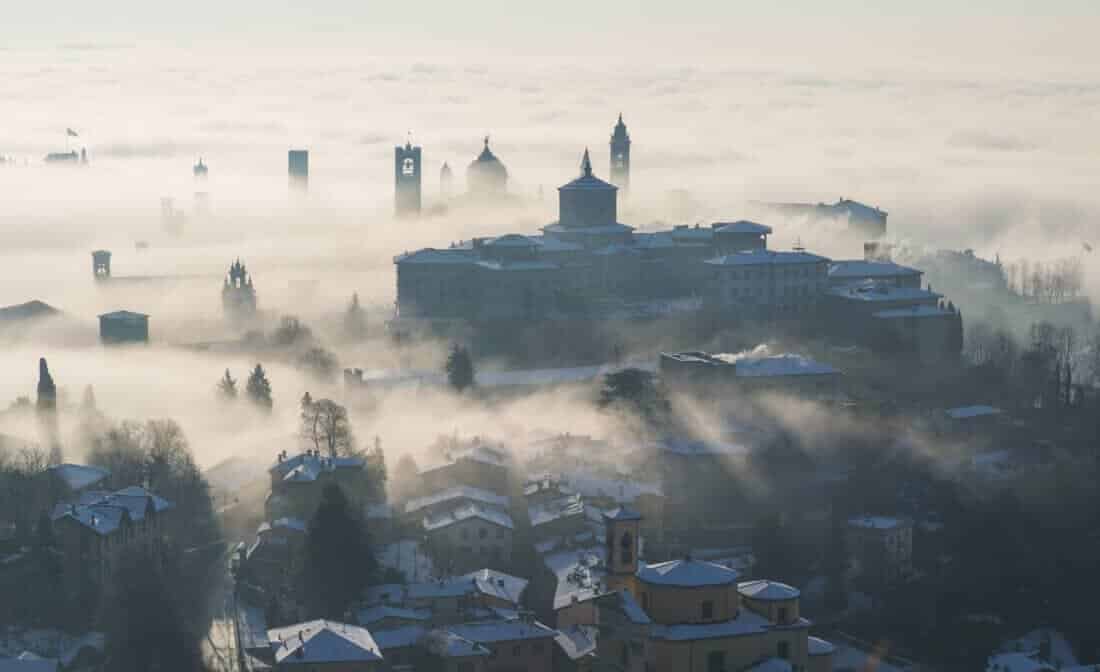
620	155
586	165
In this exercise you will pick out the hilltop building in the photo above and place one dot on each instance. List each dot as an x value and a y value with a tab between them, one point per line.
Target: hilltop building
407	180
297	483
587	263
238	293
620	156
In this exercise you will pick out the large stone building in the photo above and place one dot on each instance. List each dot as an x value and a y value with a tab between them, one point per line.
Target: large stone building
578	263
486	176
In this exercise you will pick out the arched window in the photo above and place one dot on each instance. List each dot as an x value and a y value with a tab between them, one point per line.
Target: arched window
408	167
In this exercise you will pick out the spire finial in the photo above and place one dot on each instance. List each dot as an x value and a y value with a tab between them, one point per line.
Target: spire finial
486	141
620	117
586	165
408	139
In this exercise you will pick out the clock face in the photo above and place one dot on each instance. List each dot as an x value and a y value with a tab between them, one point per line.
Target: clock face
408	167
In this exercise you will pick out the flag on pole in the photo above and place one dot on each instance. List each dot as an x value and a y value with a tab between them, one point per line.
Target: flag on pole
71	133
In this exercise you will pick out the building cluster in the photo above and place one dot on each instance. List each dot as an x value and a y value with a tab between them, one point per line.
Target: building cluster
589	265
540	563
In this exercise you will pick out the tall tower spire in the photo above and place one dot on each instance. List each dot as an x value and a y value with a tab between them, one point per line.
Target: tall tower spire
620	155
407	178
586	165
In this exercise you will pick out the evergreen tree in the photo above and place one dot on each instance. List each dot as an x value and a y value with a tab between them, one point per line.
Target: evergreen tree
459	368
355	319
836	560
227	387
47	412
146	625
259	388
338	561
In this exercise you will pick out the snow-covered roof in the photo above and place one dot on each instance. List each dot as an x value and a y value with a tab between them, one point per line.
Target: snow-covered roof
876	522
742	226
103	512
766	258
697	448
967	412
603	229
28	663
502	631
293	524
447	644
622	513
616	488
781	365
548	512
321	641
79	476
1020	662
497	584
511	240
307	467
579	573
435	256
371	615
746	623
577	641
466	511
876	291
767	591
687	573
524	265
396	638
819	647
460	492
859	268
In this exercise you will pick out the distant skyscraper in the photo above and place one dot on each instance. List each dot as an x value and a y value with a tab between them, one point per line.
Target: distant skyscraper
406	180
620	156
298	167
446	182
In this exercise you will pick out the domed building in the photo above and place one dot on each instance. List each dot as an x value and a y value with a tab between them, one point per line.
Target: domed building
486	177
703	618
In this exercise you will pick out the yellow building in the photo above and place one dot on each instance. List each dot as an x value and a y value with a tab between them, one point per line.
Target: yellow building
703	619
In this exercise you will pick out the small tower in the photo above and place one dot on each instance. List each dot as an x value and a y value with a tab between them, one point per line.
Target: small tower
446	182
406	180
620	156
298	168
199	170
101	264
238	294
621	536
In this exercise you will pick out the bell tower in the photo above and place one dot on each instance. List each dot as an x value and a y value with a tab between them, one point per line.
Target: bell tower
406	180
620	156
621	536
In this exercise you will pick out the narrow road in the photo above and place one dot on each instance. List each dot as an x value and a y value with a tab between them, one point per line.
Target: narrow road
220	647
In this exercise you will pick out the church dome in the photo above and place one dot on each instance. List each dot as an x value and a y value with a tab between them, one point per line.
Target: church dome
486	173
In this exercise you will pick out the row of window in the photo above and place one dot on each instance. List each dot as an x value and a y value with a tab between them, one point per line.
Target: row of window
779	272
482	533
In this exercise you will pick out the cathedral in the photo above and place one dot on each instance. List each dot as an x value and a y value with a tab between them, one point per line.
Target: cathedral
238	294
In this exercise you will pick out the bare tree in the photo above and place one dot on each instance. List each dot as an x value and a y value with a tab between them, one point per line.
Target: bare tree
326	427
